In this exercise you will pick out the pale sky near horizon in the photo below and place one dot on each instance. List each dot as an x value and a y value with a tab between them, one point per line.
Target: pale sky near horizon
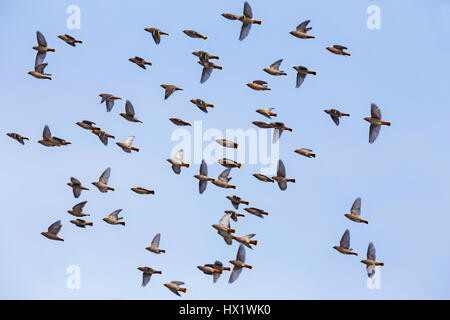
403	178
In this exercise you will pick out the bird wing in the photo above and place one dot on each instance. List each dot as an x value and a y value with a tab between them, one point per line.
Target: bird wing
206	73
146	278
155	241
241	253
235	274
251	235
276	64
300	78
176	168
371	253
245	30
103	138
374	131
76	193
109	104
115	214
47	135
276	135
178	283
75	181
283	186
356	207
345	240
174	290
335	119
248	10
129	140
224	175
216	277
69	37
202	184
281	170
260	82
129	108
156	36
302	26
55	227
225	220
168	92
41	39
105	176
204	168
370	270
179	155
375	111
79	207
340	47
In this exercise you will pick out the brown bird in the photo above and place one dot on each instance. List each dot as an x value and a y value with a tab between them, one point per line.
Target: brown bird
180	122
147	274
258	85
39	72
69	39
154	247
339	50
355	212
202	105
247	21
77	210
234	215
103	136
109	98
224	229
302	31
50	141
205	56
371	262
140	190
223	179
335	115
281	176
236	201
208	67
177	161
113	218
156	34
257	212
274	69
306	152
76	186
246	240
129	113
213	269
267	112
17	137
228	163
174	286
262	124
227	143
41	48
53	230
81	223
194	34
238	264
344	246
140	62
126	145
88	125
375	122
203	177
262	177
279	127
102	183
302	72
169	90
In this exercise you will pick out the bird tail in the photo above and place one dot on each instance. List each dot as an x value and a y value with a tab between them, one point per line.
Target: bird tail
162	251
255	242
245	202
210	105
52	50
291	180
112	189
312	72
78	41
379	264
386	123
248	266
122	223
312	155
257	22
185	165
214	57
183	289
272	114
345	114
89	223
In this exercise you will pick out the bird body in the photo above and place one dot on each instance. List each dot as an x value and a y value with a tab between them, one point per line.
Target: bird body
302	31
246	240
267	112
236	201
140	190
371	260
81	223
238	264
69	39
77	210
17	137
141	62
202	105
258	85
227	143
344	245
223	179
154	247
156	34
76	186
53	230
174	286
375	122
147	273
194	34
306	152
274	69
257	212
109	100
169	89
102	183
339	50
335	115
113	218
126	145
228	163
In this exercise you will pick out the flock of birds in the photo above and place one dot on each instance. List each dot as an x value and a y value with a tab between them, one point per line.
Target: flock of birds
223	226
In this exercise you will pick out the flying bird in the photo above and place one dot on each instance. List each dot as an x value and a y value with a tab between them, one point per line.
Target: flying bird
41	49
355	212
306	152
169	89
147	274
88	125
76	186
53	230
77	210
224	229
102	183
371	262
302	72
274	69
302	31
375	122
262	124
246	240
18	137
208	67
113	218
156	34
203	177
174	286
203	55
262	177
344	245
179	122
177	161
109	98
227	143
194	34
141	62
247	21
335	115
140	190
126	145
154	246
102	135
39	72
223	179
209	269
228	163
234	215
281	176
258	85
202	105
69	40
216	266
49	141
238	264
236	201
257	212
129	113
267	112
279	128
81	223
339	50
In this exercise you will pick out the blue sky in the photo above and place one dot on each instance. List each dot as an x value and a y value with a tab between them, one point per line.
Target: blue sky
403	178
